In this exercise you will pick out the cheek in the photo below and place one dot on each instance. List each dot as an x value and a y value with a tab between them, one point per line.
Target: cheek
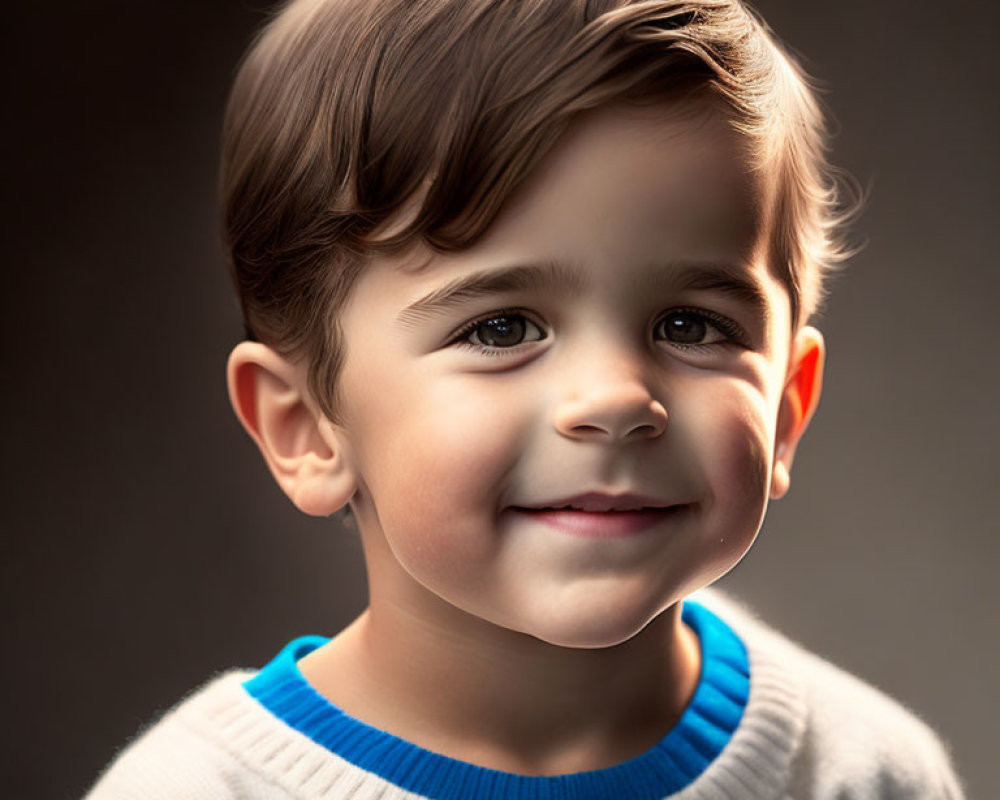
741	509
736	459
744	470
436	469
462	439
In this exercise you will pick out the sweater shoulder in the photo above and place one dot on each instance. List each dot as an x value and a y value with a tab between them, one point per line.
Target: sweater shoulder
857	743
177	756
858	736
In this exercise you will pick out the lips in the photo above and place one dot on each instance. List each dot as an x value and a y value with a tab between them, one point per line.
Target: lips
602	502
600	515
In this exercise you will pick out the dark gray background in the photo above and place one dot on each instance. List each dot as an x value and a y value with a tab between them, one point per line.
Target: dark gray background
144	544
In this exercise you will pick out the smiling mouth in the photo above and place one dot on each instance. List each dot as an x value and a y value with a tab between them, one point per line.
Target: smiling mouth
601	524
597	510
602	501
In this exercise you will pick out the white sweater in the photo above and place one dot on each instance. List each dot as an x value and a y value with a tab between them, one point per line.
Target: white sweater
808	732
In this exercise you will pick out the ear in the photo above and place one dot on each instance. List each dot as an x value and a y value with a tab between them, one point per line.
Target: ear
304	451
799	398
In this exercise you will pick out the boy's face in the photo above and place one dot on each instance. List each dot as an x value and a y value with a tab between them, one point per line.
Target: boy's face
615	334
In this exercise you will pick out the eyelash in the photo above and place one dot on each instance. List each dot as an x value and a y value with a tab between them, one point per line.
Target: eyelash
734	334
731	330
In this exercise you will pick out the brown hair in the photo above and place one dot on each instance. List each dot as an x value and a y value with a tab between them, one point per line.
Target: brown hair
357	127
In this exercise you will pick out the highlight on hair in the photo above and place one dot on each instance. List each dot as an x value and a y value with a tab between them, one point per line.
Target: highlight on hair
356	128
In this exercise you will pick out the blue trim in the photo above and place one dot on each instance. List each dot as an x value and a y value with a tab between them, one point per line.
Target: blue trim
704	729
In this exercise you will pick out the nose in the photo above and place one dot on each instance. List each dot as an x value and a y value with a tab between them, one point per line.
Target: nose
612	405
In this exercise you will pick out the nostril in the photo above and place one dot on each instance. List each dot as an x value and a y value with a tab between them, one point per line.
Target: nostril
593	430
613	415
645	429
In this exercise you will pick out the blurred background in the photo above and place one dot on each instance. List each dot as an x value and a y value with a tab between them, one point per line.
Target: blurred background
144	544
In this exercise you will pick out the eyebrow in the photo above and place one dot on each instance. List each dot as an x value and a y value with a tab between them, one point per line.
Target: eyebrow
732	281
521	277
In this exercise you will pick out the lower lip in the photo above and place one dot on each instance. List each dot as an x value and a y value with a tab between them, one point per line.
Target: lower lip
601	524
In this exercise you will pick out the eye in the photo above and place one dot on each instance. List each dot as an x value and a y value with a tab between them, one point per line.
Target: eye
689	327
499	331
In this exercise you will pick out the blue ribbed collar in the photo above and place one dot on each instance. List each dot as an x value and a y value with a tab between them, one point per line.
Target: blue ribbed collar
704	729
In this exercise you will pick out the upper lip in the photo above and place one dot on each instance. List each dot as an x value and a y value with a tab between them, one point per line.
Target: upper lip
602	501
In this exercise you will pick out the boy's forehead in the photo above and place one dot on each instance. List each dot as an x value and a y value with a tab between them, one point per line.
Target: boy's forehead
675	168
657	184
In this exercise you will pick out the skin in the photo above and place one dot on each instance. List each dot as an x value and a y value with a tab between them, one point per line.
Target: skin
614	375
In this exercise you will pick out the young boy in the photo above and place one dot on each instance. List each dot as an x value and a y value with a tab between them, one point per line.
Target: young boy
526	285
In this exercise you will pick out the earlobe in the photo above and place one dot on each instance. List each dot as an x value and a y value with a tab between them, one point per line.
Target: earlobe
306	455
799	399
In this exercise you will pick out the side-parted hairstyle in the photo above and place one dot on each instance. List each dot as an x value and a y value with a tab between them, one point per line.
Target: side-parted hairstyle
356	128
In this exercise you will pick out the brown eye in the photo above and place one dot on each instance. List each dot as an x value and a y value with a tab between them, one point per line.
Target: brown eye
504	330
690	328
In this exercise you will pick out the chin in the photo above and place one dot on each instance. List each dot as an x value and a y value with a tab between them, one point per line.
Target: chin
594	632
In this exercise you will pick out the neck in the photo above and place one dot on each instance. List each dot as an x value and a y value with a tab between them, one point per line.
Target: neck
463	687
